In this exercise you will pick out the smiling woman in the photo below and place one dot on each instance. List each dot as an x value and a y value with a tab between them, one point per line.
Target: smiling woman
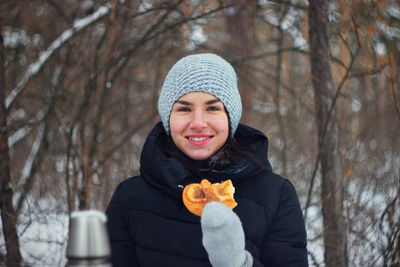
200	142
199	125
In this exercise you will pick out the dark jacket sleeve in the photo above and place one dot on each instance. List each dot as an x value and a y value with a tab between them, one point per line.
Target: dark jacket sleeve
122	246
286	240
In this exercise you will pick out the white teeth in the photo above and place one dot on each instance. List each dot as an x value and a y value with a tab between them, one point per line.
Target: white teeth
198	139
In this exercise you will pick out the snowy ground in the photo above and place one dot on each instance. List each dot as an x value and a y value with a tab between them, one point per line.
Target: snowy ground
43	235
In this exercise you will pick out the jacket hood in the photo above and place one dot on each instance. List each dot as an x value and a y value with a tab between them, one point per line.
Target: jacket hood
169	175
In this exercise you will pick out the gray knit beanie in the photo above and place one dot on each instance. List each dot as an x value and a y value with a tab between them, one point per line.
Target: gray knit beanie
201	73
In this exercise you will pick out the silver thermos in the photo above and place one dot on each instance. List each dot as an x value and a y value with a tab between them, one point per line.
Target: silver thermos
88	243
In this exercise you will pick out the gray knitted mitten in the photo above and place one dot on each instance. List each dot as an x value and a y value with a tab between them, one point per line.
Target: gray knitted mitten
223	237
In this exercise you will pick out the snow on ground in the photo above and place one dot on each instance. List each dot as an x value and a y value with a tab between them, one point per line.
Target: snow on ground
43	232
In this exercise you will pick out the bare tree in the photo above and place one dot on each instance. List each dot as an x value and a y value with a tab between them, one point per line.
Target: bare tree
8	214
331	171
391	219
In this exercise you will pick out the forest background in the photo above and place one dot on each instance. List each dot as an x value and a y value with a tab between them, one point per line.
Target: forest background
79	81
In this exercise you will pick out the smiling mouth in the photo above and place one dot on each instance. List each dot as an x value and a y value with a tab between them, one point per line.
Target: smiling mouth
199	139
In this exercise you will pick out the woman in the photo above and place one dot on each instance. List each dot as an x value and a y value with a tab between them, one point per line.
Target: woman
200	137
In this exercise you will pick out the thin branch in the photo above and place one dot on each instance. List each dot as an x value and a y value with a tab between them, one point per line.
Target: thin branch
392	87
126	138
148	37
37	66
362	73
268	54
289	3
126	56
310	189
313	258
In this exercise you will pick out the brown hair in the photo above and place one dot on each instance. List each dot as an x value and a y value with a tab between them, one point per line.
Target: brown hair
231	151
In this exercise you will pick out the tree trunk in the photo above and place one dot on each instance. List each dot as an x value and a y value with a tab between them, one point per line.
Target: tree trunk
328	137
241	32
8	215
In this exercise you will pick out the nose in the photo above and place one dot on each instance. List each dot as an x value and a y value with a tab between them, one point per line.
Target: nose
198	120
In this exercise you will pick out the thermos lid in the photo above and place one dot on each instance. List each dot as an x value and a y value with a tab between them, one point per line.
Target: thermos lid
88	238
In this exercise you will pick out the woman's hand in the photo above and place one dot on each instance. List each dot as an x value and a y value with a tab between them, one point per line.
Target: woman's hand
223	237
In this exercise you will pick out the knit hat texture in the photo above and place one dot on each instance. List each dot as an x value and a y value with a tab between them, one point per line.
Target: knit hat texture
201	73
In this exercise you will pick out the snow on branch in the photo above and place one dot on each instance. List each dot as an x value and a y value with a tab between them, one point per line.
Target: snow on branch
35	67
25	130
27	169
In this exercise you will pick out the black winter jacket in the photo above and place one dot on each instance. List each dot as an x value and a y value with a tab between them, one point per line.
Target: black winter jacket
149	225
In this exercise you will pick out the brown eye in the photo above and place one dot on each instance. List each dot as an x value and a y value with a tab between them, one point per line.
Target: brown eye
182	109
213	108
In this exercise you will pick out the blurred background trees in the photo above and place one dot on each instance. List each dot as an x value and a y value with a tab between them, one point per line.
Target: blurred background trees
80	87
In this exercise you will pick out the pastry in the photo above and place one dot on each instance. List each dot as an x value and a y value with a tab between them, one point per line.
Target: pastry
196	196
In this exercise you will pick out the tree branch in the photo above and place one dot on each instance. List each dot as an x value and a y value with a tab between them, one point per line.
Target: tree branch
35	68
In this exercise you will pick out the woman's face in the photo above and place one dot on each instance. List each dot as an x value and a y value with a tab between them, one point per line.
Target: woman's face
199	125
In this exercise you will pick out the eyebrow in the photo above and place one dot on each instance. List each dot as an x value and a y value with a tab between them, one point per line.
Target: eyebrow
186	103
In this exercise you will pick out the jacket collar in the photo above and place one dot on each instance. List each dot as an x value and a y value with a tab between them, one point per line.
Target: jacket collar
169	175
